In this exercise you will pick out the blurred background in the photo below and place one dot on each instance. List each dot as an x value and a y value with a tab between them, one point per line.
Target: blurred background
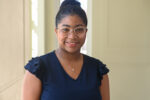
118	34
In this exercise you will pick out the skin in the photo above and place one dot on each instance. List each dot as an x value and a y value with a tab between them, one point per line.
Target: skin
104	88
32	87
68	53
72	43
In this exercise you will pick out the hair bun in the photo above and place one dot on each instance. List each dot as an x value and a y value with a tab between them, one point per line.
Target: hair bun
70	3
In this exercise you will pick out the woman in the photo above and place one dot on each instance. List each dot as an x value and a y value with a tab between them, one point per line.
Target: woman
65	73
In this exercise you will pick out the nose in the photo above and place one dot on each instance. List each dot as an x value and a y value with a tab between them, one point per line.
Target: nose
72	35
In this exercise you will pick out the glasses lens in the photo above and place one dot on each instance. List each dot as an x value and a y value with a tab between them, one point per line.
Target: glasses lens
65	30
77	31
80	30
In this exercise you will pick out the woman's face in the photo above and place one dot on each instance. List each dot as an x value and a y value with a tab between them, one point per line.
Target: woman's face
71	33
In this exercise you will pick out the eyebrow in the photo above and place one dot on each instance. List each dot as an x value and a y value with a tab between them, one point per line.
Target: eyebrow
72	26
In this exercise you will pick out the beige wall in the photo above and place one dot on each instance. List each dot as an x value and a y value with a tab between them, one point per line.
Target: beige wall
121	39
51	8
14	49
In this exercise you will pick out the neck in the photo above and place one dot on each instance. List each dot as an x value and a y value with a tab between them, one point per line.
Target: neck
68	56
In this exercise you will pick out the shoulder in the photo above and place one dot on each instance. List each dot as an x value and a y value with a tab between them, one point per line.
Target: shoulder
37	65
48	58
47	55
40	59
92	60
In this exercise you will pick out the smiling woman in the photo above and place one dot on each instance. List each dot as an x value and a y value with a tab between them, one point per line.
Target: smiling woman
66	73
84	48
72	39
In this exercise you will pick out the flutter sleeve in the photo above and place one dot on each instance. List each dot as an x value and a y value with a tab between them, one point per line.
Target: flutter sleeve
35	66
102	70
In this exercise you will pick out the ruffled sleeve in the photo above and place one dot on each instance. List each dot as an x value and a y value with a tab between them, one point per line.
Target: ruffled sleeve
102	70
35	66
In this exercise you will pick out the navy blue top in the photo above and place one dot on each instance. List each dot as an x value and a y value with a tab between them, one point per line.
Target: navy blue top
58	85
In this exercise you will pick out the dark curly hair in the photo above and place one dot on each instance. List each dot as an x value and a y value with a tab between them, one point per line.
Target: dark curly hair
70	7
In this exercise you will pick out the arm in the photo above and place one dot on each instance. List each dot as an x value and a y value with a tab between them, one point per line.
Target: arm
31	88
104	88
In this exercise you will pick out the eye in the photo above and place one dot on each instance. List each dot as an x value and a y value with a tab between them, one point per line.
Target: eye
65	30
79	30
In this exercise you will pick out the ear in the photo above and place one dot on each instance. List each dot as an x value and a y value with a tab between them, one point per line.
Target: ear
56	31
86	30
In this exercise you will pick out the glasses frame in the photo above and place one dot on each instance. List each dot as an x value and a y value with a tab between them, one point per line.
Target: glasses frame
72	30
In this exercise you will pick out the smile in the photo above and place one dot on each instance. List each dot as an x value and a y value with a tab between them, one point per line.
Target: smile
71	44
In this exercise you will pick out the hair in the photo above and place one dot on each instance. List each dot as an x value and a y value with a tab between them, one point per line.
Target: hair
70	7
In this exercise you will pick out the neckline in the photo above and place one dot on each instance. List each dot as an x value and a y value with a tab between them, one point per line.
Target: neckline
60	66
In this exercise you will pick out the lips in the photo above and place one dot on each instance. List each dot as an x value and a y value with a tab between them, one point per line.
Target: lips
71	44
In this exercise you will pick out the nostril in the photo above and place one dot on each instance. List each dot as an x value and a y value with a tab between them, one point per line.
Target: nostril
72	35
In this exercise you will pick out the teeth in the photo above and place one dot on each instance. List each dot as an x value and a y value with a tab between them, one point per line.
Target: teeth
71	42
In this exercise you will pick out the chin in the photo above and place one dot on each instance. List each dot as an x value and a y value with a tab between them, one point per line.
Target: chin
72	51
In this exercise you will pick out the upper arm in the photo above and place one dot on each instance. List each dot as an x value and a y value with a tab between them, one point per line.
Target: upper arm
104	88
31	88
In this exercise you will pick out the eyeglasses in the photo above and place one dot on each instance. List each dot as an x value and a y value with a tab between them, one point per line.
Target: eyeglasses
77	31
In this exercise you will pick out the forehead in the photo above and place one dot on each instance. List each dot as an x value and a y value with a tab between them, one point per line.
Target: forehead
71	20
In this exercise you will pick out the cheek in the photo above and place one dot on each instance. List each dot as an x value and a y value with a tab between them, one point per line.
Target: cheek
61	39
83	38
